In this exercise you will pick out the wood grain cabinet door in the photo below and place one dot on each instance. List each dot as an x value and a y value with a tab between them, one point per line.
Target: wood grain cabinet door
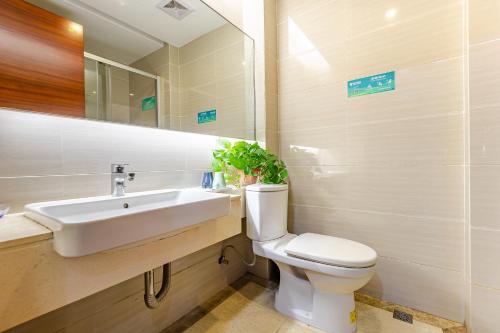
41	60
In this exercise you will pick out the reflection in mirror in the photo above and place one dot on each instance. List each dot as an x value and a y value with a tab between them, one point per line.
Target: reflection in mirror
171	64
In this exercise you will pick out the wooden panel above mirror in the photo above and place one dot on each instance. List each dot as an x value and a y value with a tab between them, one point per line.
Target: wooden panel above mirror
41	62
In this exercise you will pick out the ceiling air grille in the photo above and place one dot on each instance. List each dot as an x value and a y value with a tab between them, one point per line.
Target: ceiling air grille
176	8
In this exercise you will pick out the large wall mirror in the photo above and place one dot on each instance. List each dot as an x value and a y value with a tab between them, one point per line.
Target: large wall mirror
172	64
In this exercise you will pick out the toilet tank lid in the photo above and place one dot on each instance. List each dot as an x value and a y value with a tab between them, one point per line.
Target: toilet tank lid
267	187
331	251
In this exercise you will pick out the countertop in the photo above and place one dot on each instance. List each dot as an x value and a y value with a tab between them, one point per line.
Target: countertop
16	229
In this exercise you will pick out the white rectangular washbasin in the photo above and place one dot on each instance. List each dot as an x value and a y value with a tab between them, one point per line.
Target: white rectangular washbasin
89	225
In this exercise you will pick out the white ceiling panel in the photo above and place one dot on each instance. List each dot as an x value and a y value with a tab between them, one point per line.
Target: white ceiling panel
127	30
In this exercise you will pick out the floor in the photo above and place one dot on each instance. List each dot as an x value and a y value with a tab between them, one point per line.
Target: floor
248	307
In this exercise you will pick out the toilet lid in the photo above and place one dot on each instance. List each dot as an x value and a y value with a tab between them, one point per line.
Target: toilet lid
331	250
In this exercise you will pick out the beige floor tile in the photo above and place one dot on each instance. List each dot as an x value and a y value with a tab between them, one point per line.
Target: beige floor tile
239	314
250	309
374	320
258	294
293	326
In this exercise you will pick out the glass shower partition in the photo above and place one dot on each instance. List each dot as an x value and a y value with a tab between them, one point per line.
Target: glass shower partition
120	93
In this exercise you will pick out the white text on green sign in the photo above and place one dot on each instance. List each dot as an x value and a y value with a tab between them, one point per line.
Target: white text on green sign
207	116
372	84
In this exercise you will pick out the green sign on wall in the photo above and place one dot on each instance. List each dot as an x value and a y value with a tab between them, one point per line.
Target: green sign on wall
207	116
372	84
149	103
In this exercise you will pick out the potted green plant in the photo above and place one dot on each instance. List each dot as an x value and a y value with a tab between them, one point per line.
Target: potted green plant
251	163
273	170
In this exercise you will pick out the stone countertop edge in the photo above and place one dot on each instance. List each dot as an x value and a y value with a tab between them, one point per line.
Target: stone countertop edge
16	229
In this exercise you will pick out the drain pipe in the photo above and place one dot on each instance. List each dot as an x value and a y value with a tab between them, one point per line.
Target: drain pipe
224	261
151	299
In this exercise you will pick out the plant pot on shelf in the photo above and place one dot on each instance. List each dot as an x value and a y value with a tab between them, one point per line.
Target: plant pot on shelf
246	179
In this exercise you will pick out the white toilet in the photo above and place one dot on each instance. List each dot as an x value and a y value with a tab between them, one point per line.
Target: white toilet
318	273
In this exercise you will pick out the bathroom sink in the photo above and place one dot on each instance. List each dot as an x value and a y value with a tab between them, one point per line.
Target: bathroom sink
89	225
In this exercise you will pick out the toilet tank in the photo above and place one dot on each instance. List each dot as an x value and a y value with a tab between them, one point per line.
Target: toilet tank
266	211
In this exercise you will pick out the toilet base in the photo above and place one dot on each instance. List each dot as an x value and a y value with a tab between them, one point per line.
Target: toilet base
296	298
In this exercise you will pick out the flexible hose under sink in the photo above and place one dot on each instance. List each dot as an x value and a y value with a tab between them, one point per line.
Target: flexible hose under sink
151	299
224	261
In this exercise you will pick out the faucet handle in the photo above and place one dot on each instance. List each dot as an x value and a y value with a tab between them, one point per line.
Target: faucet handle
118	167
131	176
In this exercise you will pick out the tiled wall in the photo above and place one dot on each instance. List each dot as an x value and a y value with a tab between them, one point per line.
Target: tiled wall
384	169
216	72
484	50
257	19
50	158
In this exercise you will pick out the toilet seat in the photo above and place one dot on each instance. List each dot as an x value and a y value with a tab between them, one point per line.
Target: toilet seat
331	251
275	250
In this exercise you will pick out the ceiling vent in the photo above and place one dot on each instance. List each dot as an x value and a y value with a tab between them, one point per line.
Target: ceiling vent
178	9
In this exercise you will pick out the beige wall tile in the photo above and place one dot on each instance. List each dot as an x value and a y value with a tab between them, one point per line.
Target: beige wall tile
421	141
484	191
485	246
272	116
436	191
323	186
484	74
484	309
201	46
233	86
87	147
17	192
424	90
313	68
149	151
321	27
312	108
420	240
379	14
434	290
485	135
83	186
227	35
484	20
197	100
271	28
297	8
30	144
408	44
148	181
271	75
484	69
173	55
154	61
316	146
230	61
198	72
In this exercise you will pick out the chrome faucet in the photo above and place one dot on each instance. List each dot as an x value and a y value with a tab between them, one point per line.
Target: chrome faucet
118	179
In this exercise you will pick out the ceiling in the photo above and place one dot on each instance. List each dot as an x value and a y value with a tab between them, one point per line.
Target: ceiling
127	30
